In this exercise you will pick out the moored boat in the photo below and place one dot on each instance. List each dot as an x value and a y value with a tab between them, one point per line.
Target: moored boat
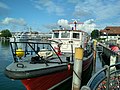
30	35
37	62
42	66
65	41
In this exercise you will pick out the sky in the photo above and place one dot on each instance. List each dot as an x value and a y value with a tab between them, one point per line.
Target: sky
45	15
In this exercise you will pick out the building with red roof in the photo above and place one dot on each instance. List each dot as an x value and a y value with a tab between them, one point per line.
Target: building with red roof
111	34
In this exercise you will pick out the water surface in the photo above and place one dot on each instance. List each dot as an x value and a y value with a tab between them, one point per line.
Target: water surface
5	59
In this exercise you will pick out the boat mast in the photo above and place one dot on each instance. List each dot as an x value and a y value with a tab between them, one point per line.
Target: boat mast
75	22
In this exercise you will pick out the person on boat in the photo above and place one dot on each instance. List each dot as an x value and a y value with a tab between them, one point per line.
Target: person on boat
59	51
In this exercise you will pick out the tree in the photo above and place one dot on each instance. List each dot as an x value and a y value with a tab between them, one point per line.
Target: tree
95	34
5	33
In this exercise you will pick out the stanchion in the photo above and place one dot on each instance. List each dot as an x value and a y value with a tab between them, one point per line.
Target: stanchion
112	61
108	76
94	52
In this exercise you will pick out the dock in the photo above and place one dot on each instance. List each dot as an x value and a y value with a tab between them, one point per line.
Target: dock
107	73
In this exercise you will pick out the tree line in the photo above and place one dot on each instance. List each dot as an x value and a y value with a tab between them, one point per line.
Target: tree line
5	33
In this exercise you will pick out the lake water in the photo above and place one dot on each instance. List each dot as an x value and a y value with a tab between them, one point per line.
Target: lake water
5	59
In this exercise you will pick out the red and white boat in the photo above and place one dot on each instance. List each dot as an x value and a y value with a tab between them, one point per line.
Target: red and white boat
42	66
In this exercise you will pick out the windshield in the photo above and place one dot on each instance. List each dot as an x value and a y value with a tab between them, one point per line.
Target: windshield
65	35
34	52
56	35
76	35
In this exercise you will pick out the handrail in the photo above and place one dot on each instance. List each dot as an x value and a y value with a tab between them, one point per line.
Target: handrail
105	73
94	77
104	46
102	74
14	47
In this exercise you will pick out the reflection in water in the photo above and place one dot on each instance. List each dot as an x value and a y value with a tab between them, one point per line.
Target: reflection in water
5	43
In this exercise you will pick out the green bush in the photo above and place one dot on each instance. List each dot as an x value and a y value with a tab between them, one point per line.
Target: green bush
6	33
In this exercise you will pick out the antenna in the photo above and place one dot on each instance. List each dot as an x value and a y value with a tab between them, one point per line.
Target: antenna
75	22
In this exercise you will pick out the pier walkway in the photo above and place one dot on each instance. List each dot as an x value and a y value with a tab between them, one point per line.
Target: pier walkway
106	76
98	62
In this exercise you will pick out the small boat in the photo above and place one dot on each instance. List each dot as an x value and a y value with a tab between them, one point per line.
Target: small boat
42	66
30	35
20	36
37	65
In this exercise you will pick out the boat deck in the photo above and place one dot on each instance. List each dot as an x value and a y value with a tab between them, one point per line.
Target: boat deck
26	64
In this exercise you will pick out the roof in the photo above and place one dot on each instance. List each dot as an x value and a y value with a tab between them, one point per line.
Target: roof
111	30
69	30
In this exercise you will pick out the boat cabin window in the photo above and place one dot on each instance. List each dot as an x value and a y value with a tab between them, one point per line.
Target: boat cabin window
65	35
56	35
76	35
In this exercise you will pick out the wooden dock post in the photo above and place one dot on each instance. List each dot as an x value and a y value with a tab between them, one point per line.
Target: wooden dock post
77	71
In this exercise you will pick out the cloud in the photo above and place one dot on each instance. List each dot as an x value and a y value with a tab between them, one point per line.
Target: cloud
49	6
87	26
62	22
2	5
90	21
4	9
80	11
97	9
9	21
103	9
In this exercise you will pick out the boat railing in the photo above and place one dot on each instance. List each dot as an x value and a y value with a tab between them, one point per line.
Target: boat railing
32	49
108	78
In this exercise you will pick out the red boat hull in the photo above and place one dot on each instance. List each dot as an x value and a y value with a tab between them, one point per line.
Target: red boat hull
47	81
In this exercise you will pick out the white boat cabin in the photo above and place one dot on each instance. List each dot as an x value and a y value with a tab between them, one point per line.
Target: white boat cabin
68	40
